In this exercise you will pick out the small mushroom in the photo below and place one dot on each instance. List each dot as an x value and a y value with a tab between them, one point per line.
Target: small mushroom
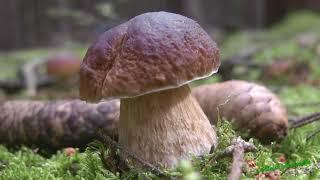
148	62
63	65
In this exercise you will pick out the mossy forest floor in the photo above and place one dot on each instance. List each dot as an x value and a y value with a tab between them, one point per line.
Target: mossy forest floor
295	40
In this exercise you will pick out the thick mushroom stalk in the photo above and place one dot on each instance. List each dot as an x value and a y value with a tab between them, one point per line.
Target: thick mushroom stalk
165	127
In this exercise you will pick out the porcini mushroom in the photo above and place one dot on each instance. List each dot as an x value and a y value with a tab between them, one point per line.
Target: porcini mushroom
63	65
148	62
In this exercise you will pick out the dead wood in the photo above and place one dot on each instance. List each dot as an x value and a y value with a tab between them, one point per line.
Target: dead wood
237	163
238	148
228	152
304	120
56	124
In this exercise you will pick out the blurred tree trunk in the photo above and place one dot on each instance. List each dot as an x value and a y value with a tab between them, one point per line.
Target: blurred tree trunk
175	6
9	32
194	9
63	24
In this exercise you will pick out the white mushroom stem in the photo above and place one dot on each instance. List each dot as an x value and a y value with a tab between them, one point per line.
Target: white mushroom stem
165	127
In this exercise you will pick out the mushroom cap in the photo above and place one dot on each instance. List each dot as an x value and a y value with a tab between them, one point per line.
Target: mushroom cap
63	65
151	52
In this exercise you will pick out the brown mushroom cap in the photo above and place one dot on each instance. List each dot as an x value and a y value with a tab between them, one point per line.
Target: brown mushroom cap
151	52
63	65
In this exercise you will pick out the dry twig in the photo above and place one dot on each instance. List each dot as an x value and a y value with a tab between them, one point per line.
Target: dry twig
298	122
237	163
238	148
248	147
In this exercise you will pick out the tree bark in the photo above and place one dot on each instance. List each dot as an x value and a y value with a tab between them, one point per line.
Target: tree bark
57	124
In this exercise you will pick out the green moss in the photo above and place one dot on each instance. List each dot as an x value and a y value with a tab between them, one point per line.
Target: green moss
297	22
293	96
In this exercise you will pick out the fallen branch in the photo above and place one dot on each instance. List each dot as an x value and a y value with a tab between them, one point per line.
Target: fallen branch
237	163
248	147
228	152
237	149
304	120
56	124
